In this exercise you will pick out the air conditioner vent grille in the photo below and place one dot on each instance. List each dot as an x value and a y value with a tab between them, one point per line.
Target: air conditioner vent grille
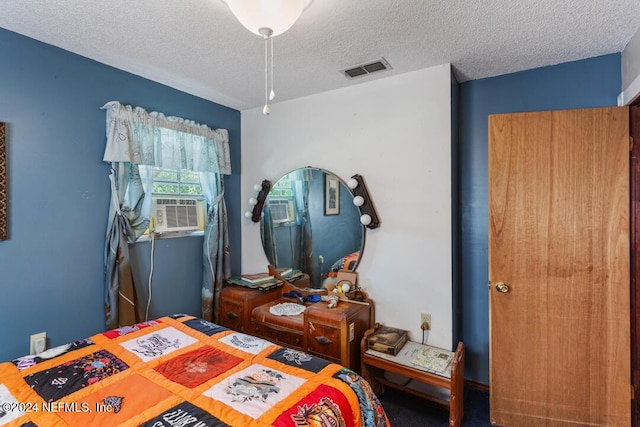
355	72
175	214
279	210
376	66
368	68
182	216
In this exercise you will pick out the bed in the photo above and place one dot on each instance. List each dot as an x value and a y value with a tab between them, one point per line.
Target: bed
182	371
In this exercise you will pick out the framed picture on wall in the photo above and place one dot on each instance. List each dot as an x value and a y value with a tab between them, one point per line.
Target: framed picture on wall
331	195
3	184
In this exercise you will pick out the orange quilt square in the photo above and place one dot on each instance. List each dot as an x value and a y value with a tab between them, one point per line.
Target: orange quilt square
198	366
116	403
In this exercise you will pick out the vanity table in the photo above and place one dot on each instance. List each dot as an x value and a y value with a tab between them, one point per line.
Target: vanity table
309	222
331	333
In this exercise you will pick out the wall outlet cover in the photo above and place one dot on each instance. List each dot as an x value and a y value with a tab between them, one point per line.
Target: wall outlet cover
38	343
425	318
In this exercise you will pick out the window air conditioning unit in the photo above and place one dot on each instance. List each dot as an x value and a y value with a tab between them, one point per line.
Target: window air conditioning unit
280	210
177	214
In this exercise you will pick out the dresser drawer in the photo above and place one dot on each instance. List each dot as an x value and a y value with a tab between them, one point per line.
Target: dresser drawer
335	333
279	336
231	315
324	341
237	302
282	330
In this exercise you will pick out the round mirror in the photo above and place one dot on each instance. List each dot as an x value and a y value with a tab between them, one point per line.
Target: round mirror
310	223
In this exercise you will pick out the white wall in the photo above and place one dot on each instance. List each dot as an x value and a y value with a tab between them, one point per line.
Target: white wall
630	70
396	132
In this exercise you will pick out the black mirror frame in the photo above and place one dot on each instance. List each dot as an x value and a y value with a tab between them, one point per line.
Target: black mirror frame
262	196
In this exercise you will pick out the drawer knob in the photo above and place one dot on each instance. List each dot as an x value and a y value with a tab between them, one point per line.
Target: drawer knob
324	340
232	315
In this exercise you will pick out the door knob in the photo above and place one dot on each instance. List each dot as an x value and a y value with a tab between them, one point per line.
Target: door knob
502	287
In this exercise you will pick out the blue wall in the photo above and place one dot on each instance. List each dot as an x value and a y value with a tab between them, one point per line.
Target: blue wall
51	268
593	82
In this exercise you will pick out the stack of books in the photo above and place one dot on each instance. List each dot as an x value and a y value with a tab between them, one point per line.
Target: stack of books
257	277
261	281
265	281
288	273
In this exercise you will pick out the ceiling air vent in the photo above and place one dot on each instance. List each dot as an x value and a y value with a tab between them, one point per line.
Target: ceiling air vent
368	68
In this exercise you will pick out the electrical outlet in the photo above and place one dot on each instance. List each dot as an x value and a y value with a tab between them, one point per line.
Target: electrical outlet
425	321
38	343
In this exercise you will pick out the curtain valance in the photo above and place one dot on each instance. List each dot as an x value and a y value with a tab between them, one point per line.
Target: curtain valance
142	138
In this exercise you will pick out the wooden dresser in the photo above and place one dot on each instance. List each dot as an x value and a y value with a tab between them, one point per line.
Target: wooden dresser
236	303
331	333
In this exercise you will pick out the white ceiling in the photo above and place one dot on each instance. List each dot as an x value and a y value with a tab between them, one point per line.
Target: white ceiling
199	47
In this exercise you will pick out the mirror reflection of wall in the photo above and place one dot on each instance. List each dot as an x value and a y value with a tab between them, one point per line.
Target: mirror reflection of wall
310	223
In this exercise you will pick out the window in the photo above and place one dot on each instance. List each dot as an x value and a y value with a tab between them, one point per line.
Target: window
282	188
281	202
176	182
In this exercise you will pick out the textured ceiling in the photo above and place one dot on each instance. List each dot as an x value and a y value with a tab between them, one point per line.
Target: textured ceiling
199	47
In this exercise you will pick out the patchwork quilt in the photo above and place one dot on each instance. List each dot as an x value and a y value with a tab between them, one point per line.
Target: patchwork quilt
182	371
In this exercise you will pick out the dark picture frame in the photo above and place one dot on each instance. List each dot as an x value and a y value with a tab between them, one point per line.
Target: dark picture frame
3	183
331	195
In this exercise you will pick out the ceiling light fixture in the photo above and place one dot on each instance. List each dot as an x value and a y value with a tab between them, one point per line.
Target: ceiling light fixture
267	18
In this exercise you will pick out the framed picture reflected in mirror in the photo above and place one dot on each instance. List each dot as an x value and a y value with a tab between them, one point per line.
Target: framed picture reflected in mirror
3	183
331	195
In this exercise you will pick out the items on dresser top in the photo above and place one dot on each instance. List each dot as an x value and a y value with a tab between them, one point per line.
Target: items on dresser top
257	277
287	309
268	280
345	286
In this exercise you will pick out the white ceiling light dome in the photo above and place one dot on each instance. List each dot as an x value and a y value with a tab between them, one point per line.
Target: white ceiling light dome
275	15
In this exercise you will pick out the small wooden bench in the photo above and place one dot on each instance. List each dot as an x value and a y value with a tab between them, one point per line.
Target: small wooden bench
445	389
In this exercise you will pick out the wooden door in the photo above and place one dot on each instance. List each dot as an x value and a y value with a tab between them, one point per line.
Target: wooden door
559	239
634	167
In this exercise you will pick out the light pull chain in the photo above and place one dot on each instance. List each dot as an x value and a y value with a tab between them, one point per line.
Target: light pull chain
266	109
272	94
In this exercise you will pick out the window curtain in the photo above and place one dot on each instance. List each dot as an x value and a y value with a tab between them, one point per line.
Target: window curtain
125	225
267	233
304	243
136	141
215	254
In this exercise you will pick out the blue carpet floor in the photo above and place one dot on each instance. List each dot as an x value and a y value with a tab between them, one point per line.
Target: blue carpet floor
405	410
